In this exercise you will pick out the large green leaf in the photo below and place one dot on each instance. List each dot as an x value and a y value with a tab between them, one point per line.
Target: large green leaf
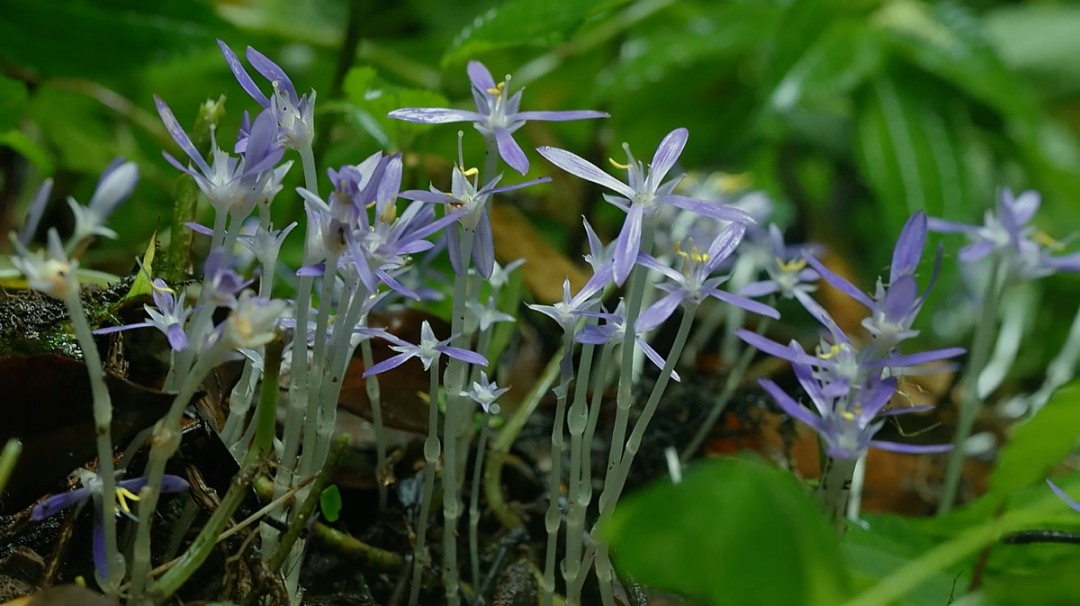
102	37
1053	585
1039	444
911	148
1041	40
372	98
946	40
888	543
535	23
12	102
734	531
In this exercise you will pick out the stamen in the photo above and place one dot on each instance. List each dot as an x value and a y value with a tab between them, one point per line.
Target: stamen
728	183
833	350
792	266
847	415
1044	238
123	495
389	214
472	172
498	90
617	165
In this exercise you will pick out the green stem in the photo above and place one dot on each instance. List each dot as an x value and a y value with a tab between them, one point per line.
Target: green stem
969	400
577	421
432	449
834	488
553	517
311	177
474	502
8	458
103	425
375	398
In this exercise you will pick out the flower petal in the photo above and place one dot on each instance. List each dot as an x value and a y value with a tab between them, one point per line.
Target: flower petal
910	448
561	116
713	210
975	251
480	76
655	358
580	167
510	151
942	226
242	76
463	354
791	407
909	247
748	304
272	72
58	502
667	153
838	282
759	289
389	363
1064	497
660	311
628	244
775	349
917	359
177	133
434	115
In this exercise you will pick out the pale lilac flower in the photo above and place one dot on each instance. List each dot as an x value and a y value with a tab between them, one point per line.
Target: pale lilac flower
294	114
787	270
485	393
1007	234
484	316
169	317
643	195
496	115
231	185
467	195
1064	497
566	312
428	351
694	285
251	323
847	423
500	275
114	186
46	273
220	281
614	331
265	244
892	310
33	214
92	488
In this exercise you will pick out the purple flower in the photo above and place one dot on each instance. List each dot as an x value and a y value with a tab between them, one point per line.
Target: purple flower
496	115
169	317
787	270
847	423
892	310
33	214
693	285
614	331
485	393
1008	235
466	195
428	351
839	364
220	280
231	185
1064	497
293	114
566	312
114	186
126	490
642	196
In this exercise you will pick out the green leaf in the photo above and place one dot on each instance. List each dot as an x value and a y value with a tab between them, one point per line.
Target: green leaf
1053	584
27	148
1040	40
330	503
106	37
890	542
141	286
911	148
534	23
1040	444
371	99
727	527
947	41
13	97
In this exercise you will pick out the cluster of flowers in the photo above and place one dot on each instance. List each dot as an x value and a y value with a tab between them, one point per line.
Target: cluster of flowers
358	244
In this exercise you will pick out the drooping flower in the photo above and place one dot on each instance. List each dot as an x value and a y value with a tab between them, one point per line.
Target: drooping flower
847	423
496	115
467	195
114	186
1008	235
644	193
46	273
485	393
169	317
428	351
786	268
293	114
892	310
694	285
92	488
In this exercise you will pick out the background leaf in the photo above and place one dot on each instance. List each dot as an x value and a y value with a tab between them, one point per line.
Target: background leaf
13	98
729	525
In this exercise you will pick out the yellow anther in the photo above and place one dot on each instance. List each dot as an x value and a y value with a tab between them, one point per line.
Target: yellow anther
370	205
470	172
1044	238
389	214
161	288
847	415
833	350
617	165
792	266
498	89
123	495
424	396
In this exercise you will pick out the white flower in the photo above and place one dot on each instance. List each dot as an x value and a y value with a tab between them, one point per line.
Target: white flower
49	274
